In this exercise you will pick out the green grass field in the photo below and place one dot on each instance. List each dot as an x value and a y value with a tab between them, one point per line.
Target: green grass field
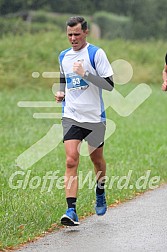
138	146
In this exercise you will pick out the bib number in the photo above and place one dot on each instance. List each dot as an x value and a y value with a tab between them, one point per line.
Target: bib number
75	82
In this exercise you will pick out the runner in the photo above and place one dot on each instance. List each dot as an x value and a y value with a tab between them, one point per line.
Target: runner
84	72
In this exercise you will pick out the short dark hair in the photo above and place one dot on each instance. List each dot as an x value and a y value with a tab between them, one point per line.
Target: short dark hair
77	20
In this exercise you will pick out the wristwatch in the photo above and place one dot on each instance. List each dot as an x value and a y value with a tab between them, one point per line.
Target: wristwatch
86	74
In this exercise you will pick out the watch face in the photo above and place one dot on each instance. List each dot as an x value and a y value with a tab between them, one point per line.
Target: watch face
86	73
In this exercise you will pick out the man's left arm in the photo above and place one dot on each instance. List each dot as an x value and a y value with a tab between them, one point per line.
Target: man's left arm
101	82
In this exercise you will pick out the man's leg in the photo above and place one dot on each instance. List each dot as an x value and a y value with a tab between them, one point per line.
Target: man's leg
71	182
100	171
72	161
98	161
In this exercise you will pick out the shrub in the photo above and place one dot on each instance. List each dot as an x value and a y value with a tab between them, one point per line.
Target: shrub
113	26
17	26
49	17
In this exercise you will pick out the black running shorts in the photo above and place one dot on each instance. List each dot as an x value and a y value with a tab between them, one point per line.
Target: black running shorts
93	133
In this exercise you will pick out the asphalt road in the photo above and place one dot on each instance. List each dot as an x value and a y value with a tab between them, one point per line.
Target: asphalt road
137	225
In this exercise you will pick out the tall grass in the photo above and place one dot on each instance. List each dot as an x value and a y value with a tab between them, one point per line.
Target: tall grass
138	144
22	55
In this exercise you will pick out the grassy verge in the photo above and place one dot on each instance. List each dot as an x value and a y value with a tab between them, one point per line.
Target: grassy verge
39	53
137	148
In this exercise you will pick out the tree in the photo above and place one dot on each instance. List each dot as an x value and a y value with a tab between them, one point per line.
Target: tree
11	6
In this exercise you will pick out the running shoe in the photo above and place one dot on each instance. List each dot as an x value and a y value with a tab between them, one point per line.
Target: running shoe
70	218
100	206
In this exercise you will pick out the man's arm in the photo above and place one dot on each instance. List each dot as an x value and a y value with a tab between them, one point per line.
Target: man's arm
60	95
164	76
104	83
62	82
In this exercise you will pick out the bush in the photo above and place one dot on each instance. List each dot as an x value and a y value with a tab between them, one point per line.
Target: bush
13	25
113	26
33	22
49	17
17	26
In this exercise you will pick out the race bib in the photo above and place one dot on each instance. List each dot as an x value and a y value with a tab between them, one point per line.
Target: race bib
75	82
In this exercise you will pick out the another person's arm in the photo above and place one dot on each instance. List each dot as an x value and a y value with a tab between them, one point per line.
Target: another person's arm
164	76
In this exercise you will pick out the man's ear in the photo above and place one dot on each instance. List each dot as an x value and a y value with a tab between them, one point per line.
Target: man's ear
87	32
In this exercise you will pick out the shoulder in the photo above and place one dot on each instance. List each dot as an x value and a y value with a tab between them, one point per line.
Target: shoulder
92	49
96	51
63	53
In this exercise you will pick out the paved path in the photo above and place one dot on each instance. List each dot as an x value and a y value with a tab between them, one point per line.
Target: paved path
137	225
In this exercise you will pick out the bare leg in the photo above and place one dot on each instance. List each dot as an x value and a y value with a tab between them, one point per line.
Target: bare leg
72	161
70	218
98	161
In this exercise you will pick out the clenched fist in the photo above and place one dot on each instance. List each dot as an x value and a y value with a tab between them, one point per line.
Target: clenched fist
59	96
78	68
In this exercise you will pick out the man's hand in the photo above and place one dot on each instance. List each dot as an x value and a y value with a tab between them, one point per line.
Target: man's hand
164	77
59	96
78	68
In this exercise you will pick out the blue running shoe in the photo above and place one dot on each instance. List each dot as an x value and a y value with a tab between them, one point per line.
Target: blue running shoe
100	206
70	218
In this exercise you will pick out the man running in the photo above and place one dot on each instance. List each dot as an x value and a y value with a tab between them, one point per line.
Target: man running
84	72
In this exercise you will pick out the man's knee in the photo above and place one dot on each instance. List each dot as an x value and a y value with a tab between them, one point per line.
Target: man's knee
72	162
98	162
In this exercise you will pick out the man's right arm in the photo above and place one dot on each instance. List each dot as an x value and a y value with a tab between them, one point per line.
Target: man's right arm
60	95
62	82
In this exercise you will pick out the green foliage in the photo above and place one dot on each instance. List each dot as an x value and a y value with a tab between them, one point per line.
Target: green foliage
36	21
17	26
13	6
22	55
145	19
73	6
149	19
41	16
113	26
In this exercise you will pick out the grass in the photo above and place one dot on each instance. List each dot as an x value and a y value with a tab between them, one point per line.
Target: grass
138	144
39	52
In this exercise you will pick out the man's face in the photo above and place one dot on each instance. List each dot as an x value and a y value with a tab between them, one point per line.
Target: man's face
77	37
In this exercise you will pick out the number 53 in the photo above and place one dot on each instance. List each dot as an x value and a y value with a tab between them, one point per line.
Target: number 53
75	81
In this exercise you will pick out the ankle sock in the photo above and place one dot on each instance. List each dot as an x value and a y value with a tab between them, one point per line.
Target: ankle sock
71	202
100	187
